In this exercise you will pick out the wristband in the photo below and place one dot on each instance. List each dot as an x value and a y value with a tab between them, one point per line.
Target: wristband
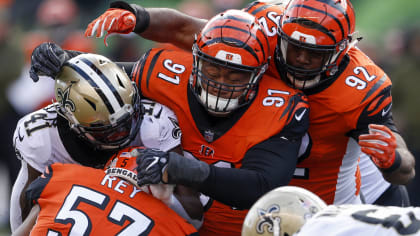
395	165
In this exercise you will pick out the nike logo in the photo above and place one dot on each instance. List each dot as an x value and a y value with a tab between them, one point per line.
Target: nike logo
156	159
20	137
299	117
386	110
157	116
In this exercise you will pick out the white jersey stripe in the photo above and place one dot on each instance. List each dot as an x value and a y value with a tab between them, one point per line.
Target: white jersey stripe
346	182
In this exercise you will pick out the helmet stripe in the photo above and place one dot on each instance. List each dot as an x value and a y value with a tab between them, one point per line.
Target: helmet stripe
324	12
232	18
100	83
261	8
333	4
241	30
106	80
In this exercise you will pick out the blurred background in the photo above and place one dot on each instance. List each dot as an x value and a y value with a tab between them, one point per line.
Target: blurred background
390	30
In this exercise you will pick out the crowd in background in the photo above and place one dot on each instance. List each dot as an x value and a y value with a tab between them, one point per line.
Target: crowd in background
25	24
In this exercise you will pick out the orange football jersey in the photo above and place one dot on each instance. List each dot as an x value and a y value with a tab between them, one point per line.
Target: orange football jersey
81	200
358	96
164	77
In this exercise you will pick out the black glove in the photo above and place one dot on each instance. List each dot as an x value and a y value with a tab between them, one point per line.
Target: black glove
142	16
47	59
152	164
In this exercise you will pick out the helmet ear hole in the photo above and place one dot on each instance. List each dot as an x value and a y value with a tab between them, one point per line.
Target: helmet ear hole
92	104
119	81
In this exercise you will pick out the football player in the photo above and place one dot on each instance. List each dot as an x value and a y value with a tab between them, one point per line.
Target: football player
349	95
296	211
109	202
242	131
98	111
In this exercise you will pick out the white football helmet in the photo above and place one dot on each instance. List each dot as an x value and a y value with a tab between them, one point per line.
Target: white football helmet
99	100
281	212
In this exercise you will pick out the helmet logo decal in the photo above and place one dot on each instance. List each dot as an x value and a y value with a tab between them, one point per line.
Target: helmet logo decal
176	131
228	56
267	218
64	100
306	38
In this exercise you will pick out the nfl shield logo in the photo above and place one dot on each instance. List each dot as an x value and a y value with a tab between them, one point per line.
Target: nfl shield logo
208	135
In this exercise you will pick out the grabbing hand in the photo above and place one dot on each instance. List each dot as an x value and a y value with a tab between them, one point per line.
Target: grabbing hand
151	166
47	60
113	20
380	145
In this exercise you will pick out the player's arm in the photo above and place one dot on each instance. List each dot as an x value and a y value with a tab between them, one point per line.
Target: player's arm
158	24
388	151
27	225
379	138
32	175
406	171
20	208
265	166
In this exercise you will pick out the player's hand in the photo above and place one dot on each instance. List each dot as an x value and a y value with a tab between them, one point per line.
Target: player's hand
151	166
114	20
380	145
47	60
154	167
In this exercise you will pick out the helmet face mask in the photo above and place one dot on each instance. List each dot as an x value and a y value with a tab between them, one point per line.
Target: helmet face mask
117	135
230	56
222	97
313	37
100	102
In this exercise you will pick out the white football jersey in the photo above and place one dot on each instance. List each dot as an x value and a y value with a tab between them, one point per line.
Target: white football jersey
370	220
373	183
37	142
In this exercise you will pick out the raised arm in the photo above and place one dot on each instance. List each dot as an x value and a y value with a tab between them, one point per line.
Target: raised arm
172	26
158	24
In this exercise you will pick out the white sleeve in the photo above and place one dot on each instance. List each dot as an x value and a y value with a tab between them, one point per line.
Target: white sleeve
18	187
159	128
32	142
366	219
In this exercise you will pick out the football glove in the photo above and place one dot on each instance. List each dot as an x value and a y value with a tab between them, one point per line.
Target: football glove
122	18
114	20
380	144
47	59
155	166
